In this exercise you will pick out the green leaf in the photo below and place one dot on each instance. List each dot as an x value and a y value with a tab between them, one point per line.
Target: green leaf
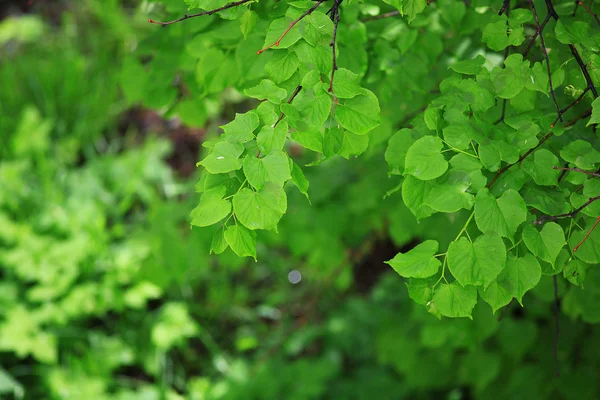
395	154
503	215
241	129
477	263
345	84
414	193
424	159
299	179
582	154
545	244
218	243
273	168
421	290
318	29
595	118
268	90
469	67
212	207
271	140
223	158
359	114
454	300
262	209
418	262
589	251
353	145
449	194
282	66
276	29
520	275
540	167
248	22
241	240
498	36
311	139
497	294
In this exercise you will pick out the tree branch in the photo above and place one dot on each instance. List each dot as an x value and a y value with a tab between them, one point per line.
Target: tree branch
596	174
211	12
571	214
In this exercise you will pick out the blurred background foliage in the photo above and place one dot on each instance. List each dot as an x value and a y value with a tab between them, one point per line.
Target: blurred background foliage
106	292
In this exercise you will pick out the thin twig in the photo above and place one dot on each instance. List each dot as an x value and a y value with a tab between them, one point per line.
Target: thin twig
211	12
292	97
587	235
596	174
535	35
564	110
505	5
571	214
583	68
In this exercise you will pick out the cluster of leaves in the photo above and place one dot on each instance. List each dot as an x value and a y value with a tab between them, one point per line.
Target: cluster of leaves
481	145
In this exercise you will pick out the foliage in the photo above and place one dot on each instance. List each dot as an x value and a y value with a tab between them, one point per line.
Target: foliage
475	153
455	170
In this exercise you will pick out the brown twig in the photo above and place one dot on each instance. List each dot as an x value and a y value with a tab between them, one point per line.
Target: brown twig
587	235
571	214
211	12
292	97
564	110
596	174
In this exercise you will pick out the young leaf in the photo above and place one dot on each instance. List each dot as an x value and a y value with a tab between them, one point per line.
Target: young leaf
241	128
272	139
360	114
268	90
225	157
418	262
218	244
477	263
241	240
273	168
424	159
521	274
454	300
503	215
299	179
262	209
545	244
212	207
